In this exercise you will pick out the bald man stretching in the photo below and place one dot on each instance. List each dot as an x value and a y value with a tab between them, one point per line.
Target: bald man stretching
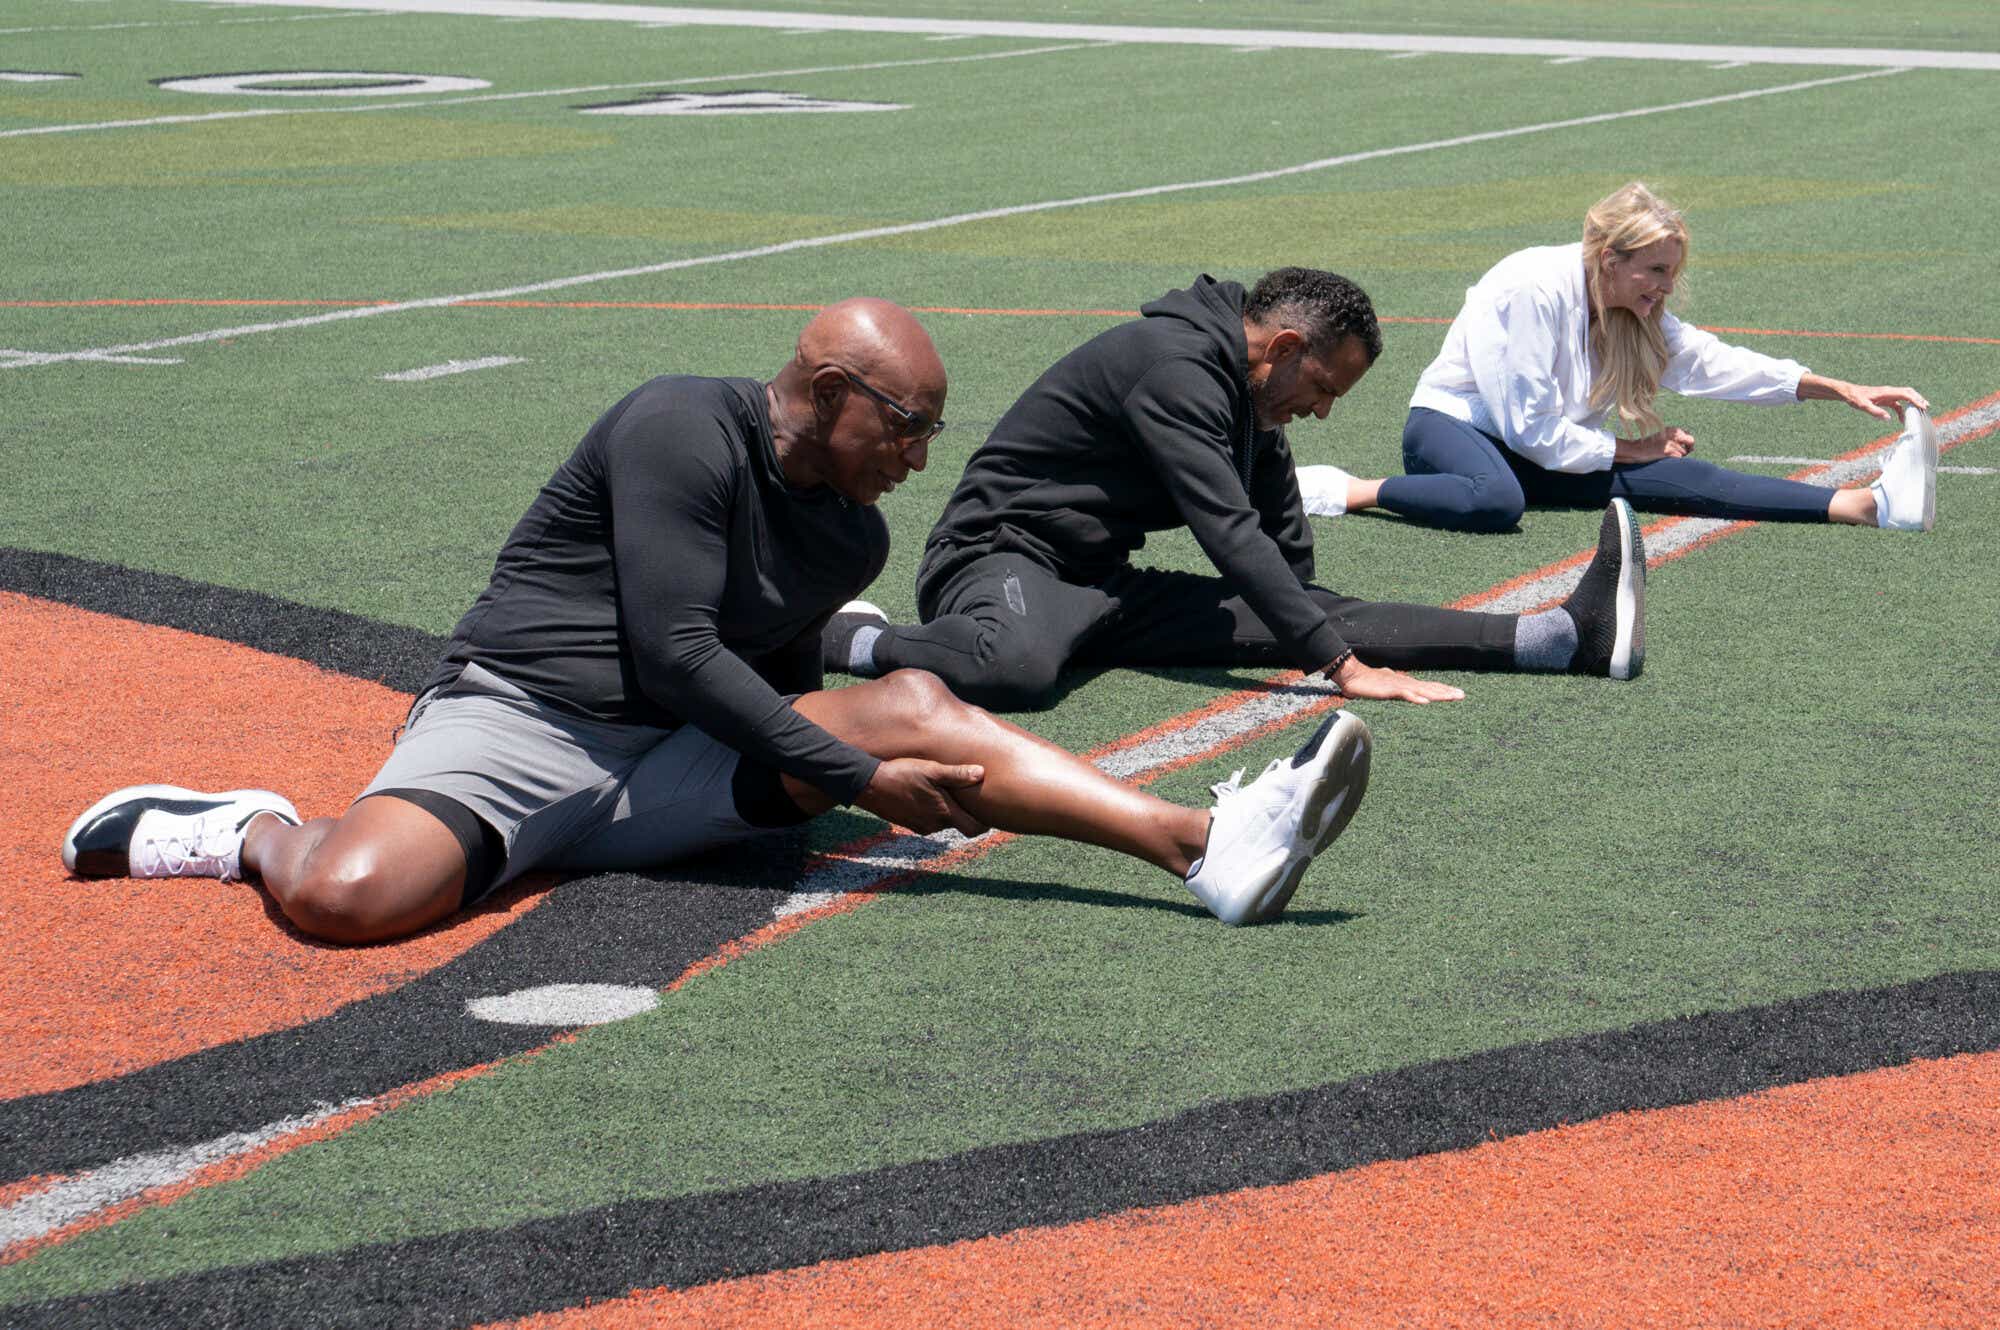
678	570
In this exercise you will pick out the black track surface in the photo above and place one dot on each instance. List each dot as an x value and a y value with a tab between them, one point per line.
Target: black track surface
345	643
479	1275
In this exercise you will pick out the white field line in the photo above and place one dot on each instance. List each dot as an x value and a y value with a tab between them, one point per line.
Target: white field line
258	112
10	357
449	367
933	224
187	23
908	855
67	1200
1172	36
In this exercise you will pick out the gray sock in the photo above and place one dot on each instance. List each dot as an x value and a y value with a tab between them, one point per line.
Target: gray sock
861	653
1545	641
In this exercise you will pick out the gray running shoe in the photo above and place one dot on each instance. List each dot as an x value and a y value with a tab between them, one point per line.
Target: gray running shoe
1263	835
167	831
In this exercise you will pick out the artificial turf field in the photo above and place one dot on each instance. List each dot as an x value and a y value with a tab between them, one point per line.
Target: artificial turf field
1670	1002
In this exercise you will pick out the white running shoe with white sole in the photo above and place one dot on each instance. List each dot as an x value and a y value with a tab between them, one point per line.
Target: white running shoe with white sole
1324	490
167	831
1263	835
1906	491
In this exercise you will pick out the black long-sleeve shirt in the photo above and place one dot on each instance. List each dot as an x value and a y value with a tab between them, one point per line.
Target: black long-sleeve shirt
1149	426
668	573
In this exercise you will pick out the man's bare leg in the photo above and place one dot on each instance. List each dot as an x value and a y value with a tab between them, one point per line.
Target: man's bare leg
384	869
1029	785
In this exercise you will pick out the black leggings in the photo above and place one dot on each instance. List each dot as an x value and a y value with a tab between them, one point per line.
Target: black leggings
1464	479
1000	629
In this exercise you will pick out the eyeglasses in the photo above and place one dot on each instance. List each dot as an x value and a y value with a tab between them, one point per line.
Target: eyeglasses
913	426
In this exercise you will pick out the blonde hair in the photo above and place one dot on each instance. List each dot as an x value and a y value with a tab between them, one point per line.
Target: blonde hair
1631	352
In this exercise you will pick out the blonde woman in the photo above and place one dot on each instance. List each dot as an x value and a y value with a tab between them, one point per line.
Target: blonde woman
1556	340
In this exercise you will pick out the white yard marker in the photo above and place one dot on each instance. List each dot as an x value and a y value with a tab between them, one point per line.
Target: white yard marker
428	102
1655	52
449	367
937	223
565	1004
24	76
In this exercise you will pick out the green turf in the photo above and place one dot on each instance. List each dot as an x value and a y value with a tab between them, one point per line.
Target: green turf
1796	797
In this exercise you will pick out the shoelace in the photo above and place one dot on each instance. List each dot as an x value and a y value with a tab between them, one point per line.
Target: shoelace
202	852
1225	790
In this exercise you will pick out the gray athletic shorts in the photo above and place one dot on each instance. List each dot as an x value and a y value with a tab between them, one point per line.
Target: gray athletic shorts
564	792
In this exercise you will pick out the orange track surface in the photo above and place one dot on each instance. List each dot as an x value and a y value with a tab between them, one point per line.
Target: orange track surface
1871	1200
101	978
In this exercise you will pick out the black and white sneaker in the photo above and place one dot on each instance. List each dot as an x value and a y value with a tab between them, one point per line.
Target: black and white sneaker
1263	835
167	831
836	641
1609	603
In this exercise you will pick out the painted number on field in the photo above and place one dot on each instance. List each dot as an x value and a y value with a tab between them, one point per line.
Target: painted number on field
732	103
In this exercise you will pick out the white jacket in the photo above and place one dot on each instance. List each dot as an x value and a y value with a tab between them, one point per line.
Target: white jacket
1516	363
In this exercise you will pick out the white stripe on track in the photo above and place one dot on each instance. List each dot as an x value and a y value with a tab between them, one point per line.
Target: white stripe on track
1807	461
1231	37
936	223
67	1200
259	112
449	367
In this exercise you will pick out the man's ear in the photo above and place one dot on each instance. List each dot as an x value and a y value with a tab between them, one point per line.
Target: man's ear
1282	345
829	390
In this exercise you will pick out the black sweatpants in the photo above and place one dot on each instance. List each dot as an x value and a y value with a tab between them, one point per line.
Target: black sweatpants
1001	628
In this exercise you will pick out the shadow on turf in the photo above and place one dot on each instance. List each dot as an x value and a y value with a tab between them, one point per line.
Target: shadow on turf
1028	892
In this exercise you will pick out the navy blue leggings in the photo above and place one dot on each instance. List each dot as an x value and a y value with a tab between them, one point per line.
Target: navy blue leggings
1464	479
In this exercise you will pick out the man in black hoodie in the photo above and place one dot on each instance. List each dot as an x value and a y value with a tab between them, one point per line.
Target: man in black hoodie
1177	420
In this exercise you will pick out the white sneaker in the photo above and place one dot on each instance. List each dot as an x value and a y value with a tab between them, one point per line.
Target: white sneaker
1263	835
1906	491
167	831
1324	489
